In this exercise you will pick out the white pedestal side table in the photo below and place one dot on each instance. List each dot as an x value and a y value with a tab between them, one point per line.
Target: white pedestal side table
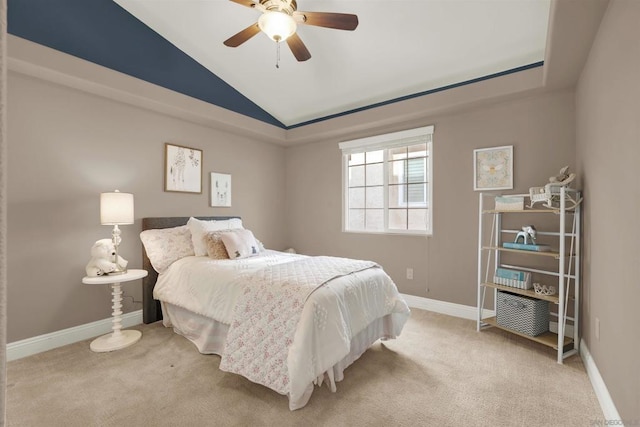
117	339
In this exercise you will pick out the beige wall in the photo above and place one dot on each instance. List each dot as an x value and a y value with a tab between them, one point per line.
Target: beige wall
66	147
608	150
541	129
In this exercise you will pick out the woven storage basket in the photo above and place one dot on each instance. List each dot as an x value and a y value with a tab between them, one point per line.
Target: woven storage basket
526	315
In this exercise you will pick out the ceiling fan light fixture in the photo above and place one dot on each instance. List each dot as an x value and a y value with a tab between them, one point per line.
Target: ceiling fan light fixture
277	25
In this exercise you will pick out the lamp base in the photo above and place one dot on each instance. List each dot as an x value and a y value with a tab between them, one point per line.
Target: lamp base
112	342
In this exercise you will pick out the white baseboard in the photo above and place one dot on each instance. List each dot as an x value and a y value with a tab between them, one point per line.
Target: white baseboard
30	346
602	393
443	307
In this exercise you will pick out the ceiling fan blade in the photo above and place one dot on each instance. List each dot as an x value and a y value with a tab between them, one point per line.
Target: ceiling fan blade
338	21
244	35
247	3
298	48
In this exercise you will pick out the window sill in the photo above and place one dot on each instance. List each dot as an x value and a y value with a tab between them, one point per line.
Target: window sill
392	233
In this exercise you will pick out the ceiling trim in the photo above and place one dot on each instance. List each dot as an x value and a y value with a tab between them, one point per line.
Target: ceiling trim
34	60
421	111
419	94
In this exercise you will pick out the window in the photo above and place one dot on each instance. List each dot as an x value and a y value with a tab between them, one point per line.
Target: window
387	183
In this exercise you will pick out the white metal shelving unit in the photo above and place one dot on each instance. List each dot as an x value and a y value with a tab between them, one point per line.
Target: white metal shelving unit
566	271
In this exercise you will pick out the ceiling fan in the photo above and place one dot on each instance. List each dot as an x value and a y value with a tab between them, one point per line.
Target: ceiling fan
279	21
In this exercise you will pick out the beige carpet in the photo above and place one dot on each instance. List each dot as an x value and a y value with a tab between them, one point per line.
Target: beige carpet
440	372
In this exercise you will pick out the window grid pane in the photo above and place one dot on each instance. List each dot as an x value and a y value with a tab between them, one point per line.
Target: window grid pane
374	174
375	156
356	198
374	219
374	197
397	219
388	189
356	159
356	176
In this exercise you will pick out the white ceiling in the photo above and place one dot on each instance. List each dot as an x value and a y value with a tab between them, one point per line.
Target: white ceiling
400	48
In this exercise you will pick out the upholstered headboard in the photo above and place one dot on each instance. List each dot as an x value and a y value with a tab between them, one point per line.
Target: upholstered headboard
151	311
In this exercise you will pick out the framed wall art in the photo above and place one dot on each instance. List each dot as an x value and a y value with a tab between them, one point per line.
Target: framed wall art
182	169
493	168
220	190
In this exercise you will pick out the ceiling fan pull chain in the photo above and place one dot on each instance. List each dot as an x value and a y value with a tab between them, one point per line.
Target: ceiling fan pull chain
277	55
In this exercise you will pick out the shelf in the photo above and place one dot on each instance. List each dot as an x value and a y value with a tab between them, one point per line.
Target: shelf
563	232
555	211
547	338
525	292
555	255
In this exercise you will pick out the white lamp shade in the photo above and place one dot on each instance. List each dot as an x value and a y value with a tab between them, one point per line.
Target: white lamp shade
116	208
277	25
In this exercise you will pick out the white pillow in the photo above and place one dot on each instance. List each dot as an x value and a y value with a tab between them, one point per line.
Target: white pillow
199	228
164	246
240	244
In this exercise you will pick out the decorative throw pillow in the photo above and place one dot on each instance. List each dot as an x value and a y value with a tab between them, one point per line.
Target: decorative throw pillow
164	246
215	246
200	227
240	244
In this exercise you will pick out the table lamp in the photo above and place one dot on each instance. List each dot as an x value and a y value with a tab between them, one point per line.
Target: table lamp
116	208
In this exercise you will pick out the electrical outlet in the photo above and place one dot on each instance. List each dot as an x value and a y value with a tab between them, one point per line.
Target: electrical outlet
410	273
597	331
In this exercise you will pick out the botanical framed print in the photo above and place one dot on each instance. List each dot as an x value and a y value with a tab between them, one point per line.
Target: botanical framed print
220	190
182	169
493	168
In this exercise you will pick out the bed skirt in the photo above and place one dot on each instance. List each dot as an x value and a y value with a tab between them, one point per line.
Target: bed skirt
209	335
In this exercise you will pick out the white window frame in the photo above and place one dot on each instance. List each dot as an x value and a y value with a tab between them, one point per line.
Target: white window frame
382	142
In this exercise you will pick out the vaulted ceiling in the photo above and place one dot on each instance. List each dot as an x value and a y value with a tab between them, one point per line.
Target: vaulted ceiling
400	49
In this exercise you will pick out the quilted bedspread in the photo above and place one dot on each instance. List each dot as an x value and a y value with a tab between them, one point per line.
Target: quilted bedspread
271	315
292	318
267	315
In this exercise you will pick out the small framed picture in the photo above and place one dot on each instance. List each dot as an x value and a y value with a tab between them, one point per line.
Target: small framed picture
493	168
220	190
182	169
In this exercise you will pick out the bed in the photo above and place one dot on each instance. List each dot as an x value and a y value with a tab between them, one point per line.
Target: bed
287	321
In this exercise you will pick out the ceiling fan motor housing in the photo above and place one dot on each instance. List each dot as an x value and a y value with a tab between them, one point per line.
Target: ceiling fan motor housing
287	6
277	25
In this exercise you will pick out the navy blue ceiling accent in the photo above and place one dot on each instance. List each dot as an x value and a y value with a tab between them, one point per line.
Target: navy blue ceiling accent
102	32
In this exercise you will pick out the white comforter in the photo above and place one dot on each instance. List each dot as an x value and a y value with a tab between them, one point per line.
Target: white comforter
202	285
332	316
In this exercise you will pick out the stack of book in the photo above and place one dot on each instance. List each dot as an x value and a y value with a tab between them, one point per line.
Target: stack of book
513	278
527	247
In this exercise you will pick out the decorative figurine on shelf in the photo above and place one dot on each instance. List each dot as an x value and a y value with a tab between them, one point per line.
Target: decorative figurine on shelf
528	235
550	193
103	260
526	241
544	289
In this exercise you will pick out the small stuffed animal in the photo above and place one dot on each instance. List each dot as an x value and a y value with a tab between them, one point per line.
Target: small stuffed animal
102	260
